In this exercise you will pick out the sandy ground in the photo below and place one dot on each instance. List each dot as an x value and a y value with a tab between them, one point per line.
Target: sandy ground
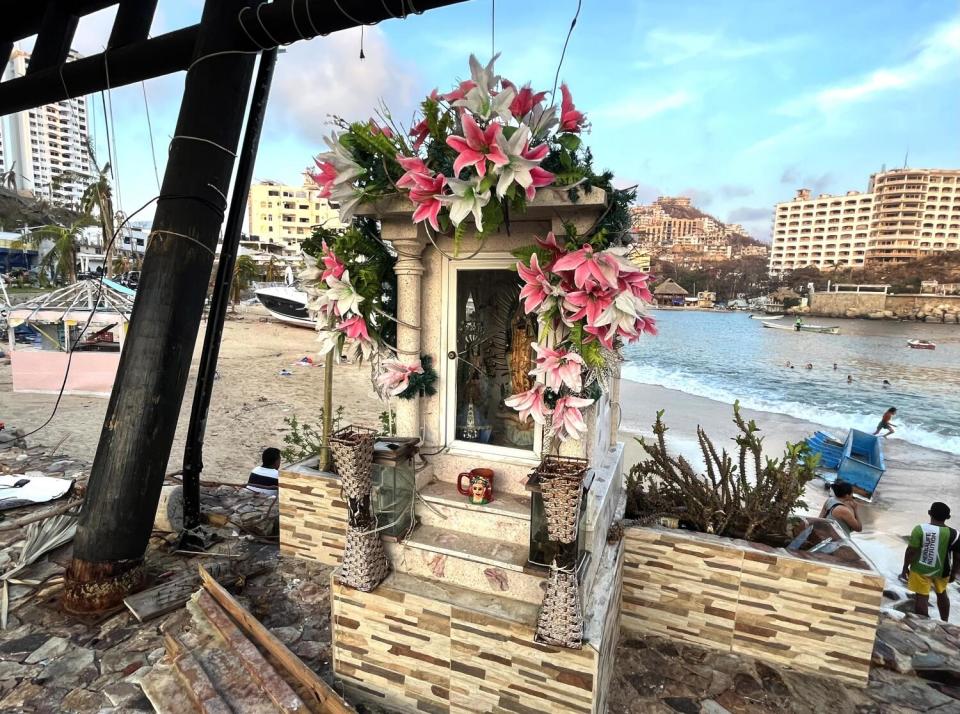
250	400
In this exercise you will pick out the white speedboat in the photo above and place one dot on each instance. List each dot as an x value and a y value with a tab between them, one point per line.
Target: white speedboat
766	318
287	304
822	329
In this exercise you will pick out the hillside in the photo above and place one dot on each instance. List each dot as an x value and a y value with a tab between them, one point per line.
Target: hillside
17	211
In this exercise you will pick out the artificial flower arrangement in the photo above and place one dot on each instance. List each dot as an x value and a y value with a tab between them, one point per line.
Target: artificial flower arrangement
589	303
476	155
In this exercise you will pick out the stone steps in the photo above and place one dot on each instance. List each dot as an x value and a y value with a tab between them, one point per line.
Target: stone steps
509	473
507	515
482	564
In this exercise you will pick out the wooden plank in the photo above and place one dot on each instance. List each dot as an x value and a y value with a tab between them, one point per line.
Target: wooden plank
271	683
326	699
197	685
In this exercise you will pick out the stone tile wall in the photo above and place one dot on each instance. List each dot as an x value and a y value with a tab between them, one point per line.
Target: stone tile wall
313	516
724	594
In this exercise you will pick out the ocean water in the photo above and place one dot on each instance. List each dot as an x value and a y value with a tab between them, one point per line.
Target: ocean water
727	356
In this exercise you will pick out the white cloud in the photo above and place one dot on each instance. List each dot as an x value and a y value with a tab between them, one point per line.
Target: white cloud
939	50
325	76
640	107
667	47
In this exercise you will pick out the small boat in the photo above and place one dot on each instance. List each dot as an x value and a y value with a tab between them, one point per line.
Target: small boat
766	318
822	329
921	345
287	304
861	462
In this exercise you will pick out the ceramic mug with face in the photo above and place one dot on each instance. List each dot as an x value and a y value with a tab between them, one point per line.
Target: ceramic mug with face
479	486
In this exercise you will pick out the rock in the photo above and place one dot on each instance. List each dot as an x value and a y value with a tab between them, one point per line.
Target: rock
901	639
78	663
51	649
287	635
309	650
709	706
15	670
886	656
117	660
906	692
82	700
123	694
683	704
771	681
18	649
746	685
156	655
18	698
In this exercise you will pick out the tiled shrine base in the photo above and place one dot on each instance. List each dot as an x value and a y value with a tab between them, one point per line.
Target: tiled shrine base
313	514
415	645
732	595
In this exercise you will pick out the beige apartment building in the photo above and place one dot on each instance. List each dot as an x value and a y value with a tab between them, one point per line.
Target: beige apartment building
282	217
905	214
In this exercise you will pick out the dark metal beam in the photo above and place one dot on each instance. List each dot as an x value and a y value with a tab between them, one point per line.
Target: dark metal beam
54	39
6	49
23	19
132	23
282	22
220	298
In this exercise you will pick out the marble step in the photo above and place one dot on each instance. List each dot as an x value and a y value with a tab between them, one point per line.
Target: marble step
485	565
509	473
507	515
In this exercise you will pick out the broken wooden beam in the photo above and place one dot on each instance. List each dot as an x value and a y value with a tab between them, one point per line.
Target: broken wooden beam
325	698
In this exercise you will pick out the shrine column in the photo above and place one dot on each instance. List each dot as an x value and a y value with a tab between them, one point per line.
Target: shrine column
406	239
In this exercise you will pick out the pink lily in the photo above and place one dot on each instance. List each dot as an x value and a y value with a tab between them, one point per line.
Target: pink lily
590	268
413	165
355	328
426	194
525	100
476	146
325	177
530	403
551	244
570	119
460	92
419	131
558	368
567	418
537	291
331	263
585	303
540	177
376	129
637	283
396	376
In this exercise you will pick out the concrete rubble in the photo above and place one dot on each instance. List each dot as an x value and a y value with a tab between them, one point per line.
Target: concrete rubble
53	662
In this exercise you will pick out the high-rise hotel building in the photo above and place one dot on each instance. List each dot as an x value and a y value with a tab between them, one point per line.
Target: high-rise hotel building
40	144
904	215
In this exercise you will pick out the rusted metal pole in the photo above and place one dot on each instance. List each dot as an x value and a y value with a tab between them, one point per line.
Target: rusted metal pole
141	418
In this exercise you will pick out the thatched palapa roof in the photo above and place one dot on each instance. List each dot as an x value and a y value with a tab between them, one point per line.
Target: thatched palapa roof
669	287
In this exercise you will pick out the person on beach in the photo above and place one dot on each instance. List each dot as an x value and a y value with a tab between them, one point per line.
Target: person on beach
834	366
809	365
849	379
886	383
798	324
841	508
932	559
885	422
265	478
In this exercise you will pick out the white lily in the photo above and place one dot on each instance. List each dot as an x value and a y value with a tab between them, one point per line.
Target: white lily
311	273
328	340
342	295
479	99
541	119
466	199
518	170
342	191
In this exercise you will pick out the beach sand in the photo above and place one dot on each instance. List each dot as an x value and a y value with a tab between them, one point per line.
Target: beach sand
250	400
915	476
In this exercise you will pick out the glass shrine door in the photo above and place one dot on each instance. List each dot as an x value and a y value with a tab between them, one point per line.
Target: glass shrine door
494	358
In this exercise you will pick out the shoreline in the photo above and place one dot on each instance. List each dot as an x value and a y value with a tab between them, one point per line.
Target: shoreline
915	477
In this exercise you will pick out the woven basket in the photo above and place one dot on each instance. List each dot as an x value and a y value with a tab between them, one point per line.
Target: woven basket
365	564
561	507
352	449
559	621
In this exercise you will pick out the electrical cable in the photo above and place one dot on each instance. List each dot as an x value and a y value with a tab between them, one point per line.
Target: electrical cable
563	54
153	152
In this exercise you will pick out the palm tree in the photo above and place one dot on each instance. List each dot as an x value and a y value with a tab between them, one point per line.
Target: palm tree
97	199
61	259
244	272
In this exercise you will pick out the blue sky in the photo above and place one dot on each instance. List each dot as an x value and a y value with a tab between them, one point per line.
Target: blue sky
736	103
